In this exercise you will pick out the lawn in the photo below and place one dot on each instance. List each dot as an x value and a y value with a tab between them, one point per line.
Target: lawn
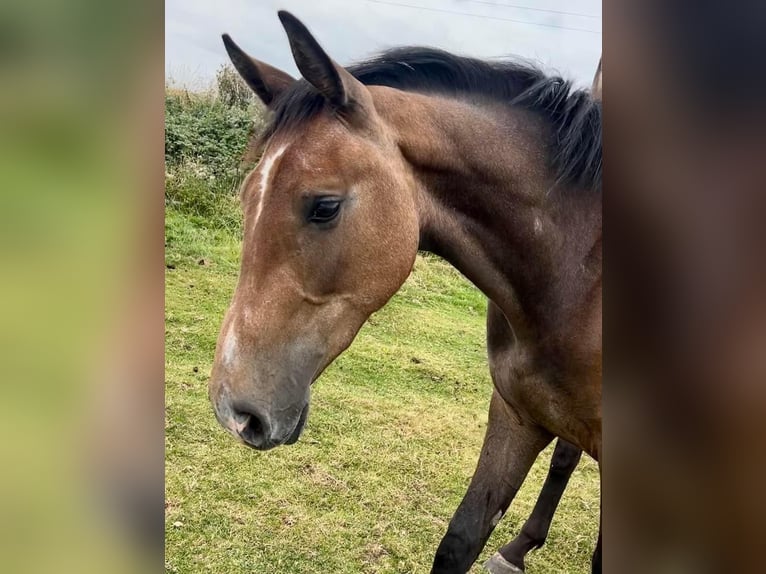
390	446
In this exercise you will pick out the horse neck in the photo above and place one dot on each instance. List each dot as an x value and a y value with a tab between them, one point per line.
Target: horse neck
489	205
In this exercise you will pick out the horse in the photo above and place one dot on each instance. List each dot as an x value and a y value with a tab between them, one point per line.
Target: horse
510	558
494	166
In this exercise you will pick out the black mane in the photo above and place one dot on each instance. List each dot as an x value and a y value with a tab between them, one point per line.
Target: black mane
574	116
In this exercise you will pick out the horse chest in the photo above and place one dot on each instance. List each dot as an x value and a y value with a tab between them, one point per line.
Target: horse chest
566	402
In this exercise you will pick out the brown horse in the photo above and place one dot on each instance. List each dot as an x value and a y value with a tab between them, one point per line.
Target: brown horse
493	166
510	558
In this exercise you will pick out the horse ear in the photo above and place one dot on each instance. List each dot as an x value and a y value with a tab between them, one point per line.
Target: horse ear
333	81
596	88
266	81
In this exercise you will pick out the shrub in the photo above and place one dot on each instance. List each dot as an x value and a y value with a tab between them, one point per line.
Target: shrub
232	89
206	135
201	128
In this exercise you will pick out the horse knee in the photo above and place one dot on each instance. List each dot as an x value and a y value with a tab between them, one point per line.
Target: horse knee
565	458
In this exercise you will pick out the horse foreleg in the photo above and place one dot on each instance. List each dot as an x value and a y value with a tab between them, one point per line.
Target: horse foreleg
595	565
510	447
596	561
510	557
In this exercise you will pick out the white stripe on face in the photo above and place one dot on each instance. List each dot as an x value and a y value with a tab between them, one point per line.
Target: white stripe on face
230	346
265	167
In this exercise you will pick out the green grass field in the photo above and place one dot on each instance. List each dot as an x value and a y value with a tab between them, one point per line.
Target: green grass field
395	429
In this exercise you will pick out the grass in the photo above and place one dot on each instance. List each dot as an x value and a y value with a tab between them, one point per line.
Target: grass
392	441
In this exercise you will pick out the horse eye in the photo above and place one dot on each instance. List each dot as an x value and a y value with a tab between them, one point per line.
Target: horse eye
324	210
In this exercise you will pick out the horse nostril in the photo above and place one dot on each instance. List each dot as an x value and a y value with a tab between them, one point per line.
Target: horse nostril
252	428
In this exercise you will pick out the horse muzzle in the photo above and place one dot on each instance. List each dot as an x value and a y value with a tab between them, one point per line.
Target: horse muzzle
255	427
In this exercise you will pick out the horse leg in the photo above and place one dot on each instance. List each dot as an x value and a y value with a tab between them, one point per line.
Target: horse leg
510	447
595	565
596	562
510	558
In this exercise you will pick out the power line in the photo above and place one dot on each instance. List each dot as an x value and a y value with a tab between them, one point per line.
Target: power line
428	9
535	9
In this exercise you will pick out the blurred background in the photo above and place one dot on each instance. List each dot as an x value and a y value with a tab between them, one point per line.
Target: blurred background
81	292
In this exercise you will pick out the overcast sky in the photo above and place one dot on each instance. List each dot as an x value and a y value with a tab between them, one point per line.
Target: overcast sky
352	29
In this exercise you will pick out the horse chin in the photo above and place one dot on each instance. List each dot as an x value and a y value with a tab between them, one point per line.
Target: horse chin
295	435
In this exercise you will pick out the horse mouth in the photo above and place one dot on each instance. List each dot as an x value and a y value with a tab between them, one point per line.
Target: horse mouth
295	435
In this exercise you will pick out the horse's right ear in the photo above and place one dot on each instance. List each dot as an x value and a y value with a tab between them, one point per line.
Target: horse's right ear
266	81
596	87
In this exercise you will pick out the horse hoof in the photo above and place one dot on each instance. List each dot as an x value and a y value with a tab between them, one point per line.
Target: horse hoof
499	565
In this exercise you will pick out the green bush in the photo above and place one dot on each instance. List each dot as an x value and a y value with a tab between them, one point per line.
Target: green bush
203	129
232	90
206	135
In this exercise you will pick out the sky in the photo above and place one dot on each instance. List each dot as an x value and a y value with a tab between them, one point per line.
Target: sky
553	33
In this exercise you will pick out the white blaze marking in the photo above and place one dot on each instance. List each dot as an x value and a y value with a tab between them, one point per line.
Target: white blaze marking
538	225
265	167
230	346
496	518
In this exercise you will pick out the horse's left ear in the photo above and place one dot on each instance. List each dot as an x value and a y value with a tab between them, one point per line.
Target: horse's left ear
342	90
266	81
